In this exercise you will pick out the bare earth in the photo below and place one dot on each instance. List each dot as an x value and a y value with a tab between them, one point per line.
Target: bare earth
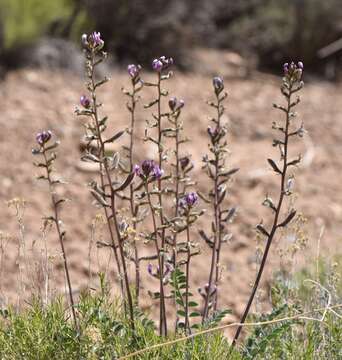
31	100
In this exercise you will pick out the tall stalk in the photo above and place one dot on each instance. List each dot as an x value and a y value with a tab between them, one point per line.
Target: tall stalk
48	158
291	84
219	175
93	48
137	84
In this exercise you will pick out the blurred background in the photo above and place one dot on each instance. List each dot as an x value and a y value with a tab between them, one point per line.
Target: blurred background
265	32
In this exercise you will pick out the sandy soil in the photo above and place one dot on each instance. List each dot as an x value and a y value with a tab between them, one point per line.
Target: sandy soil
31	100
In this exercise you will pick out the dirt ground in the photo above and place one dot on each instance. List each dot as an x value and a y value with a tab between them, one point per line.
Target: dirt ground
31	100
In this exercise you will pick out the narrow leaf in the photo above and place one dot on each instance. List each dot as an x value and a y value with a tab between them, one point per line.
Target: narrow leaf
262	230
115	137
274	166
128	180
288	219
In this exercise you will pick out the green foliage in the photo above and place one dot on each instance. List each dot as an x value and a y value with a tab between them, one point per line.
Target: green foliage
47	332
315	338
178	285
25	21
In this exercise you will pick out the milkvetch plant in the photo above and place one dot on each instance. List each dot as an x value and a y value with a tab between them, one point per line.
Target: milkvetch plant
164	202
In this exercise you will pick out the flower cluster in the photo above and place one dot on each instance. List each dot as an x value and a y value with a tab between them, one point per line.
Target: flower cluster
92	41
175	104
188	200
162	63
293	71
148	170
216	133
134	72
43	137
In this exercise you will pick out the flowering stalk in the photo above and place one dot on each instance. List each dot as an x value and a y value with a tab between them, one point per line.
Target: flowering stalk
45	150
180	165
291	84
186	203
217	172
149	172
159	65
137	85
93	45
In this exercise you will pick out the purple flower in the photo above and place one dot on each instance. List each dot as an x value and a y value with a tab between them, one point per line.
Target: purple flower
43	137
157	65
84	101
157	172
188	200
293	72
218	84
184	162
147	169
175	104
133	70
213	132
150	269
95	39
161	63
136	170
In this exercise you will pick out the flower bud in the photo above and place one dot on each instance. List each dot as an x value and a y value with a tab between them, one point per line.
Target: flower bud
133	70
43	137
218	84
188	200
85	102
175	104
84	40
157	65
184	162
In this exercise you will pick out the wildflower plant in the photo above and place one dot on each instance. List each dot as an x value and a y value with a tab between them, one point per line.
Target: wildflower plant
105	191
215	167
164	202
291	84
46	151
